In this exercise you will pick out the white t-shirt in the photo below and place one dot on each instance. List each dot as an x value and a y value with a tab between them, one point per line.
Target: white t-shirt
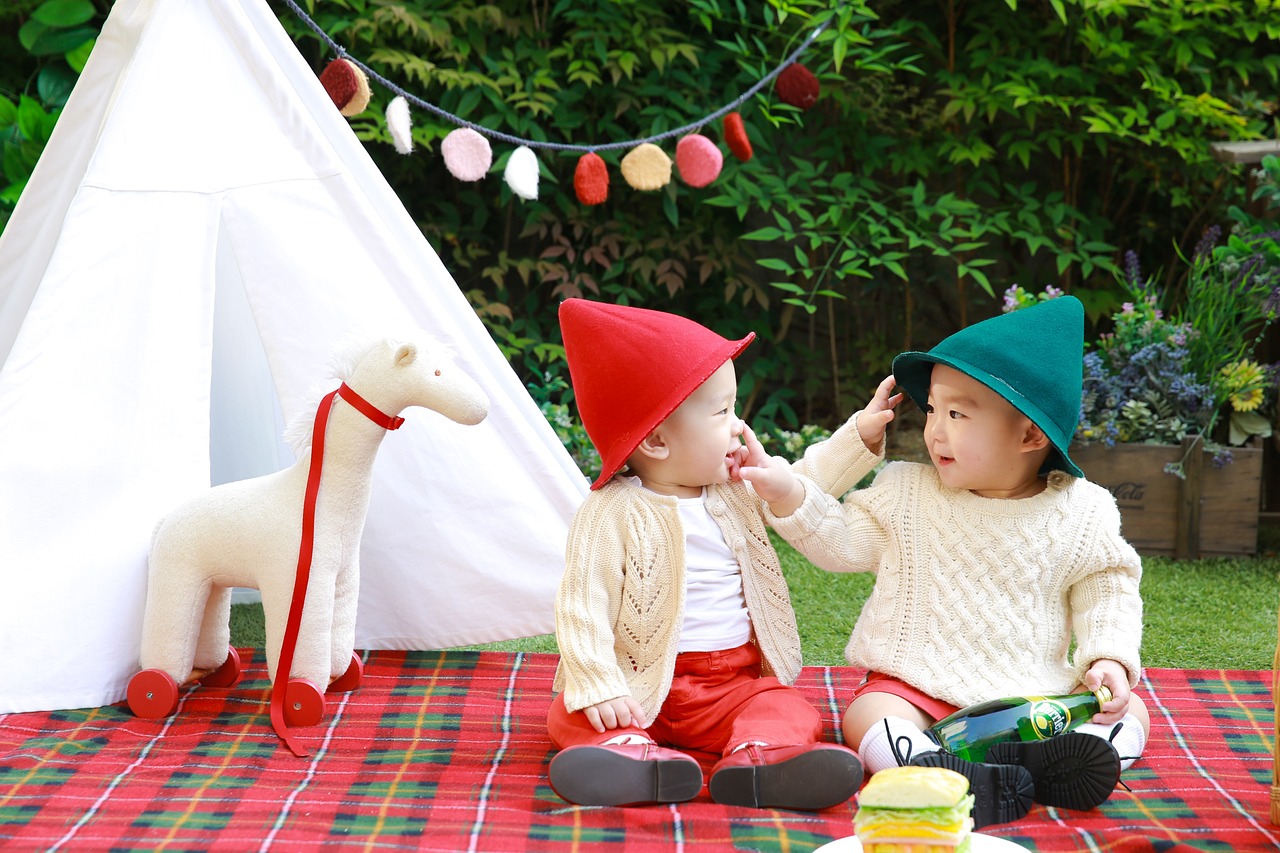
715	610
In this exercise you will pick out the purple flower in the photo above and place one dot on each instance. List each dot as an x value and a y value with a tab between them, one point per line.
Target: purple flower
1208	240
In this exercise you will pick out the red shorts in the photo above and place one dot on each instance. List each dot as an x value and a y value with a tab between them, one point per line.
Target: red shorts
878	682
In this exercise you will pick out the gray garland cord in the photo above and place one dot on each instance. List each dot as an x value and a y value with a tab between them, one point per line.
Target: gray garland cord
554	146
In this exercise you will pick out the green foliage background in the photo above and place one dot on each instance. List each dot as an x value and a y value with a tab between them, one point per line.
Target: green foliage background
956	148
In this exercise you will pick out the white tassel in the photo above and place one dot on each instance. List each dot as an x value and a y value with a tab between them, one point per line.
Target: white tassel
522	173
398	124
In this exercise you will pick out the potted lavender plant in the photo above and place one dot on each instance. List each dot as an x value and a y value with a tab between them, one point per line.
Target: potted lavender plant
1176	400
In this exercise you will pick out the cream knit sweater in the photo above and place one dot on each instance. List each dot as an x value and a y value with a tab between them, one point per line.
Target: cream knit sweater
975	598
621	600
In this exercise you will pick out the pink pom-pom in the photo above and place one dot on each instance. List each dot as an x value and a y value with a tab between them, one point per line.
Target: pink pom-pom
698	159
467	154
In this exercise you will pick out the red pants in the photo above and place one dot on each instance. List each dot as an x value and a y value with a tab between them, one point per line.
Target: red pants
878	682
717	701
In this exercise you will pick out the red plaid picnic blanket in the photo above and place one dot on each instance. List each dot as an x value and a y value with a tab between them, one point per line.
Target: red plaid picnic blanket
448	751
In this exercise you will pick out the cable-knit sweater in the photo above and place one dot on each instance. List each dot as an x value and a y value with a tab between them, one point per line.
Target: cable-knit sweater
975	598
620	604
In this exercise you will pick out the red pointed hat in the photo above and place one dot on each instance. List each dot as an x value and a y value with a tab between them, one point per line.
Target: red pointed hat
631	368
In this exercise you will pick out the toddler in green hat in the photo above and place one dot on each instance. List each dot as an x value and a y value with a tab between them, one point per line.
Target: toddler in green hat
1000	570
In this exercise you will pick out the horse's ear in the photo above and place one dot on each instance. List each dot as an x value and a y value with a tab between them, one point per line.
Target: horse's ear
406	354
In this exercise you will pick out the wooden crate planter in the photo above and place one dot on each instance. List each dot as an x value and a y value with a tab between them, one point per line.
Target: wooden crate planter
1211	513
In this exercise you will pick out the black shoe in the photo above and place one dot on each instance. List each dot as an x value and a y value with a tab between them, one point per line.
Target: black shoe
624	775
806	778
1001	792
1071	771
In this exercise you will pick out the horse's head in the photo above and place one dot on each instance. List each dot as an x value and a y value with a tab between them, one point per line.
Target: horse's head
419	371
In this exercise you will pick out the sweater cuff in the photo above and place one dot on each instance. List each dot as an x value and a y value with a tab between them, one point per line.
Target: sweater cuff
838	463
807	517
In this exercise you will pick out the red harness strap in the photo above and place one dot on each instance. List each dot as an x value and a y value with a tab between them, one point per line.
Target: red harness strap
305	549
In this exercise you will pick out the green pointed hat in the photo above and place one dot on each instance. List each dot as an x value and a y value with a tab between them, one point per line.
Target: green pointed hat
1032	357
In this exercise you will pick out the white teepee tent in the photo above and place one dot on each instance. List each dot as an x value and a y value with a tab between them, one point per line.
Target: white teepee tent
201	232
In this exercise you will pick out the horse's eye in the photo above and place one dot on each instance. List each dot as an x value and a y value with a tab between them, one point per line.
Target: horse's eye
437	373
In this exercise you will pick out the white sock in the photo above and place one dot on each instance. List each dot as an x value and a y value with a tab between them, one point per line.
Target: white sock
1129	740
877	751
629	738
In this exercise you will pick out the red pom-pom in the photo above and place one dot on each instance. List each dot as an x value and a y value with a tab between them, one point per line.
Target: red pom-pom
591	179
698	160
347	85
735	136
797	86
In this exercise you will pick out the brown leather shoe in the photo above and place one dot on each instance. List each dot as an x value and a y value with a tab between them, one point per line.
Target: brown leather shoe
629	774
808	777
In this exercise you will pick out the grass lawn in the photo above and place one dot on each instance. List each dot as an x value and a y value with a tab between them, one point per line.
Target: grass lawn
1205	614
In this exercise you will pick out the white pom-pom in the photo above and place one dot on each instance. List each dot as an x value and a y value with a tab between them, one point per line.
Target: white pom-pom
398	124
467	154
522	173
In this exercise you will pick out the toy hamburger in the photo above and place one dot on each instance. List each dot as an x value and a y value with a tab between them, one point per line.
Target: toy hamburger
914	810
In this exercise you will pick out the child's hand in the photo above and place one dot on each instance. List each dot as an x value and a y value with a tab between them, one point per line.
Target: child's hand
873	419
771	477
615	713
1114	677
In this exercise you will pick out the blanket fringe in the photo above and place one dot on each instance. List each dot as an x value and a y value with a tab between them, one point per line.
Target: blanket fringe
1275	740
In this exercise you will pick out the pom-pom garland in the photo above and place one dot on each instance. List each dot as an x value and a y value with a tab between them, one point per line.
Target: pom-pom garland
347	85
698	160
797	86
521	173
646	167
399	126
591	179
467	154
735	136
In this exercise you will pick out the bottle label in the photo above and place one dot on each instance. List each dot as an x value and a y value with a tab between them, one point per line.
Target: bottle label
1049	718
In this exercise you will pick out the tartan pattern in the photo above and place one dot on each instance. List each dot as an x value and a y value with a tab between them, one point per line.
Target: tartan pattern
447	751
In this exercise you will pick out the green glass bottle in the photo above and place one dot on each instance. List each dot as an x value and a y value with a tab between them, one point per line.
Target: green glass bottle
970	732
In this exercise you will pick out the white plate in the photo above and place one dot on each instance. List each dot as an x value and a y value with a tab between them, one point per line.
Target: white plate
979	843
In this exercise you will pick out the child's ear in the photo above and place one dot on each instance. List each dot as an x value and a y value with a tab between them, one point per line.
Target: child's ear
1034	439
654	446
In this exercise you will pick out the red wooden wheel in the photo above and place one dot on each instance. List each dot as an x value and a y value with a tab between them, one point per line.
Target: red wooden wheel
227	674
350	679
303	703
152	694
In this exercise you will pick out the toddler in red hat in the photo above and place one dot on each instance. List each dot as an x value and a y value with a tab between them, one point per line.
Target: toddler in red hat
673	618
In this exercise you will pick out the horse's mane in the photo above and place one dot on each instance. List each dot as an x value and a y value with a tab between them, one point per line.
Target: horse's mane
347	356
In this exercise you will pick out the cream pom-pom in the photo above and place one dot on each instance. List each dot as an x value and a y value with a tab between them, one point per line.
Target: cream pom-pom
647	167
522	173
398	124
467	154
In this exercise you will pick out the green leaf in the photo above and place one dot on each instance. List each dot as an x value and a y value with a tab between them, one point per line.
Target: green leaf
63	13
54	83
79	56
669	208
30	32
51	42
31	117
765	234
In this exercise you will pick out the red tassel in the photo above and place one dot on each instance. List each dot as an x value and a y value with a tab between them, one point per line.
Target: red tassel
797	86
735	136
591	179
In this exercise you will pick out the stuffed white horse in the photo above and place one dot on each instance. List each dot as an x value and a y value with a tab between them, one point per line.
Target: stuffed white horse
248	534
